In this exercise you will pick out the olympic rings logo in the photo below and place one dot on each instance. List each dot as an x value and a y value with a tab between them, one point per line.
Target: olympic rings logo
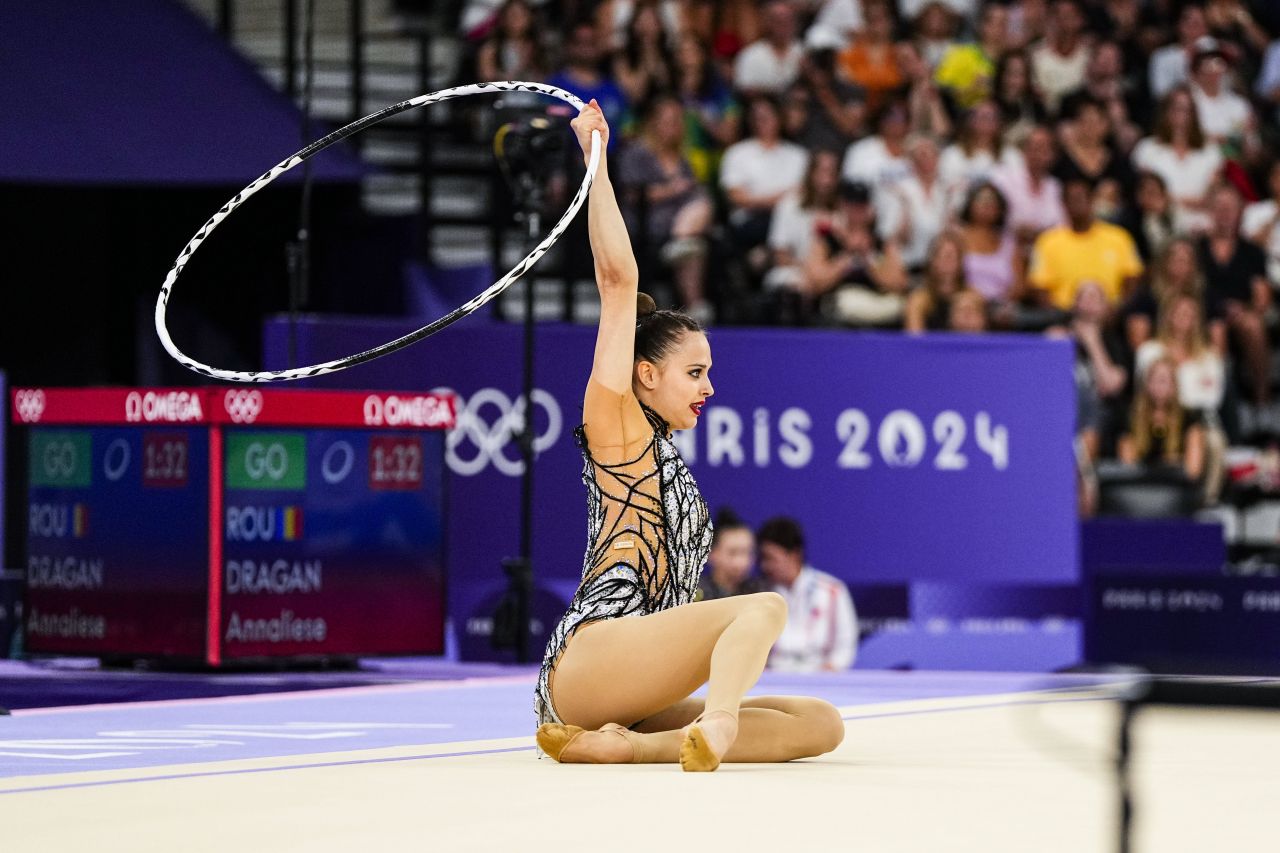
490	438
243	407
30	405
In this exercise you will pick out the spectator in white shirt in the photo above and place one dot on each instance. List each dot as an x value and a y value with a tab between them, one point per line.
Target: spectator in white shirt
822	627
881	160
918	206
1180	154
1224	115
758	171
796	218
1059	63
1169	65
1261	223
972	158
771	64
1182	338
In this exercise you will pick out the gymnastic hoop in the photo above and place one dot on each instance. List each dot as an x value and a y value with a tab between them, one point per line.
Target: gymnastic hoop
315	148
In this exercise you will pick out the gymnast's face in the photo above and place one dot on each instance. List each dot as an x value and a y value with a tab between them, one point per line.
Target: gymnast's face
677	386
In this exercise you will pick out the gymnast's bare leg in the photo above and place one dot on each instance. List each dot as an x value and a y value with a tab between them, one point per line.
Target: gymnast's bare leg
643	668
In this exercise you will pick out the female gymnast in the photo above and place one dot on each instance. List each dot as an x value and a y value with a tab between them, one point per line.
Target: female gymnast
617	690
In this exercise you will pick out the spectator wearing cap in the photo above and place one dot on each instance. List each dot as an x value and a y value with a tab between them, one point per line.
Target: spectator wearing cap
1225	117
1169	65
1059	62
771	64
853	272
822	626
1235	28
966	70
1085	249
1179	153
758	171
1034	196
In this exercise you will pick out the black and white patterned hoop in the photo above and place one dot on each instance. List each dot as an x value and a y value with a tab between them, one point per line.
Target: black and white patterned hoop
315	148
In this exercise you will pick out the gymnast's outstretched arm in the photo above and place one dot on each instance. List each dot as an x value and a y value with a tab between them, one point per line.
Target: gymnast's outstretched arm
611	412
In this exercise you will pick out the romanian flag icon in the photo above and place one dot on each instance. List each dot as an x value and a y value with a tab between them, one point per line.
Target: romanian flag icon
291	523
79	521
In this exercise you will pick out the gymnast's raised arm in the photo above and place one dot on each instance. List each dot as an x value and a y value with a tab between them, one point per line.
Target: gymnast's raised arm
612	415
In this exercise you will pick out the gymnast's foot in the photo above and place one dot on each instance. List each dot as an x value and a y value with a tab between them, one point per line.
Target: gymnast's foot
706	740
607	745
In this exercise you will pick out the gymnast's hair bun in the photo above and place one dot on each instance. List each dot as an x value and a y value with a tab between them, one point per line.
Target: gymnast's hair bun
644	305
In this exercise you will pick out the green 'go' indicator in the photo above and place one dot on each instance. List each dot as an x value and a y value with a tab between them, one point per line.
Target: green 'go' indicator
61	458
266	460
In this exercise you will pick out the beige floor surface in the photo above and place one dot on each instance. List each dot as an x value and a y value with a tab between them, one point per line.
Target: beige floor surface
935	775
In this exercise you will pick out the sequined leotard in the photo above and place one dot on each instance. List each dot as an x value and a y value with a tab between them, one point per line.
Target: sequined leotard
648	535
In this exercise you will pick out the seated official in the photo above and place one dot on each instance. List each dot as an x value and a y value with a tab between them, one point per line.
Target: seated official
822	627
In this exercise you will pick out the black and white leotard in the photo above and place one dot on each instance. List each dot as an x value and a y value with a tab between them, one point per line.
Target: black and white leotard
648	535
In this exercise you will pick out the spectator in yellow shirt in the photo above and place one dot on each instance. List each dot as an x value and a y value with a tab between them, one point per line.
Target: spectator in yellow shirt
1083	250
966	71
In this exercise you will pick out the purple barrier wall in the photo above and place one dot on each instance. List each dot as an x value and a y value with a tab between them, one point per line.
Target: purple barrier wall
907	459
1181	623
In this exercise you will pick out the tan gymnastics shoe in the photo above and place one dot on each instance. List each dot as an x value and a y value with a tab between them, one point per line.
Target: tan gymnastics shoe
554	738
695	753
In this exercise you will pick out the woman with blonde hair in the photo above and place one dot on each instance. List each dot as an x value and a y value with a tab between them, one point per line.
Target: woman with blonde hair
1160	431
1181	338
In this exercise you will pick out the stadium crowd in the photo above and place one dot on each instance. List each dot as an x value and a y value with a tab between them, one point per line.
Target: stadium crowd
1098	170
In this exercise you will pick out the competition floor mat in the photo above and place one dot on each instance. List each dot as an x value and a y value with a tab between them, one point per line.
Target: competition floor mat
930	761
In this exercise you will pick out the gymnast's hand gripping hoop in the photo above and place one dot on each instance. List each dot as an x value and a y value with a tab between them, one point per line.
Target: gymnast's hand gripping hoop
315	148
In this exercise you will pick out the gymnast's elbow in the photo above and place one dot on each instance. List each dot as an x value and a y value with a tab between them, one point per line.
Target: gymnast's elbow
617	280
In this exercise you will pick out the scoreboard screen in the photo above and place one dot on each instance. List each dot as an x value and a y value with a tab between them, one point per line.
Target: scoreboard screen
228	524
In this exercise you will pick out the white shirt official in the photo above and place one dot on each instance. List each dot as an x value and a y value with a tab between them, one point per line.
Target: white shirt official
822	626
